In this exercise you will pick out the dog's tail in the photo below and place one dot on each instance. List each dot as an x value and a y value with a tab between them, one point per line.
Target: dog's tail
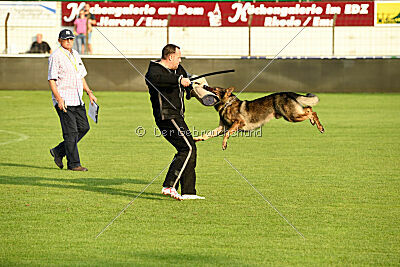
308	100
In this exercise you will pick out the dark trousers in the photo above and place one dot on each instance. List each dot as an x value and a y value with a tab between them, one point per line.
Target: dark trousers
75	125
182	169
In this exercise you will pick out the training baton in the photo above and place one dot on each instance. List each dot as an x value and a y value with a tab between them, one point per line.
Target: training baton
210	74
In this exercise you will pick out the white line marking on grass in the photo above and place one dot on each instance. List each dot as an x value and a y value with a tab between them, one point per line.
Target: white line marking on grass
127	206
266	200
22	137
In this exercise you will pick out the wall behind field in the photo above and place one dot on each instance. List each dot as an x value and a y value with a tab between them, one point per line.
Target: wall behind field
209	41
300	75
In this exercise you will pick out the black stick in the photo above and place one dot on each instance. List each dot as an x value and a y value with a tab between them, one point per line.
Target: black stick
210	74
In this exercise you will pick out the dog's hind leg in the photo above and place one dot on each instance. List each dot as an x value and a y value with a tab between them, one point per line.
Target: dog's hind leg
235	126
314	118
308	114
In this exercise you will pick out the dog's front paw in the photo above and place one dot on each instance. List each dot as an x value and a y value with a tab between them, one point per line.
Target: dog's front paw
198	138
224	145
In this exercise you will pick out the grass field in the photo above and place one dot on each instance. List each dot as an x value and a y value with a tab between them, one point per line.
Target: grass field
340	189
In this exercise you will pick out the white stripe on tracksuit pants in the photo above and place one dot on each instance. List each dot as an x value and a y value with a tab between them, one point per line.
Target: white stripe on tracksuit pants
182	169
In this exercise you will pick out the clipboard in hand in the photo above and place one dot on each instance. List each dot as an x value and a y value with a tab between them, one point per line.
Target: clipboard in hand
94	111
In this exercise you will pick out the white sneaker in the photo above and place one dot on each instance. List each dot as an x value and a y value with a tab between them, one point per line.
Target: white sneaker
166	191
186	197
170	191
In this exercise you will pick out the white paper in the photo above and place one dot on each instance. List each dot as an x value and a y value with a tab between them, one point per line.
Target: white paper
93	109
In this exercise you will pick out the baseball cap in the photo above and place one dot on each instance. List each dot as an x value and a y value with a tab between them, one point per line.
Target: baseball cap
66	34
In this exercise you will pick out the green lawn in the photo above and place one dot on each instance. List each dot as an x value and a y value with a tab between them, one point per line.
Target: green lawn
340	189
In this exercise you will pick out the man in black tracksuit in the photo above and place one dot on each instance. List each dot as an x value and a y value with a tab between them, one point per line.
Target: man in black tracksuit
166	80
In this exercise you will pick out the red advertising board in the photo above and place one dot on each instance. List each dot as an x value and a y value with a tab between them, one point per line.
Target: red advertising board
224	14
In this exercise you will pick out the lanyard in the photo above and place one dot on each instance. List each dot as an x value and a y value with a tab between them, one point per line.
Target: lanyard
73	63
76	68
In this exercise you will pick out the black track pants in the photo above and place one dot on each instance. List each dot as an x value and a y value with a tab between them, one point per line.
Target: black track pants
75	125
182	169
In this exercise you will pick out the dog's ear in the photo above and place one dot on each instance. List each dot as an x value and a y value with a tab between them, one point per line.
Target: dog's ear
229	91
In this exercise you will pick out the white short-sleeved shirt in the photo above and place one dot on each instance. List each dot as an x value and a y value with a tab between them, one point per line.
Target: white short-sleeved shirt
68	70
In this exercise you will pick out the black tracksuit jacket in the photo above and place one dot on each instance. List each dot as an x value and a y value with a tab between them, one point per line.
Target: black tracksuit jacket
166	93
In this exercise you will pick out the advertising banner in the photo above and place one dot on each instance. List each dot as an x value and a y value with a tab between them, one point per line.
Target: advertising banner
224	14
28	13
387	13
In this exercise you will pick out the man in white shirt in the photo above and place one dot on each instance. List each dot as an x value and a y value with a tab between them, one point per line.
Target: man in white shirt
66	79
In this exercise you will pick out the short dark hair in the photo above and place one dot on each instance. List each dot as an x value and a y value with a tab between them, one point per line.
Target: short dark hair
168	50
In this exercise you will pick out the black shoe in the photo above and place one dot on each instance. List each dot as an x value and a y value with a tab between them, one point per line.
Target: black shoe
57	159
78	169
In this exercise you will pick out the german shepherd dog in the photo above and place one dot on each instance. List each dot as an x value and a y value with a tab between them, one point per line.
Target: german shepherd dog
237	115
